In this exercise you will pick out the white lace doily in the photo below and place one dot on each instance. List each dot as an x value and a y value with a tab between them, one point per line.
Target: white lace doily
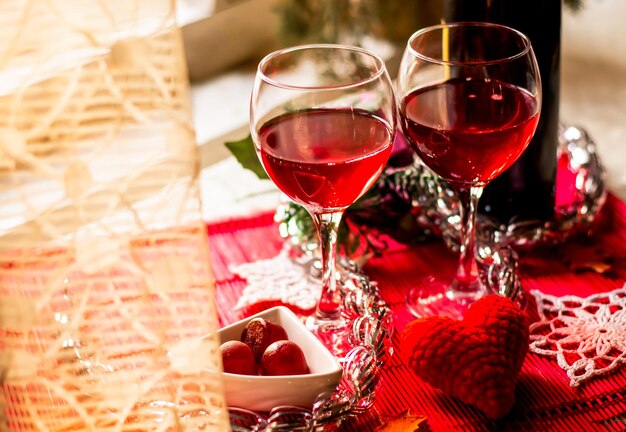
281	278
586	335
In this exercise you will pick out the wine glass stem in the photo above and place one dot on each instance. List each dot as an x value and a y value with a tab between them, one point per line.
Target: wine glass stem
327	224
467	272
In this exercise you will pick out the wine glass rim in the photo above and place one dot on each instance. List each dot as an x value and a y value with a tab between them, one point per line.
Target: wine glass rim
380	67
527	45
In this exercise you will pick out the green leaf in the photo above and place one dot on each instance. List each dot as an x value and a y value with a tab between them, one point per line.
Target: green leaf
575	5
244	152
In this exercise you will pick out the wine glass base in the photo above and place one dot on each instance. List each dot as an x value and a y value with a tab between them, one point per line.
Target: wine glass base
333	333
437	296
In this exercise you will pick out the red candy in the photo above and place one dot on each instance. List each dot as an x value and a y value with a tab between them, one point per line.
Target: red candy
238	358
284	358
260	333
264	347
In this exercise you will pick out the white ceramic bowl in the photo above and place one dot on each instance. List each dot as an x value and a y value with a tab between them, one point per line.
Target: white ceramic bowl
262	393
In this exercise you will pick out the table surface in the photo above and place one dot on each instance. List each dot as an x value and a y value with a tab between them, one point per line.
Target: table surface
593	96
545	401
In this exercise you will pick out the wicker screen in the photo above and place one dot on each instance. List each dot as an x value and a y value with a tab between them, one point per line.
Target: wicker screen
107	316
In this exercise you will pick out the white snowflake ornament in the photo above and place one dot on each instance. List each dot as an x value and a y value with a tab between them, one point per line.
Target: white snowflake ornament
586	335
279	278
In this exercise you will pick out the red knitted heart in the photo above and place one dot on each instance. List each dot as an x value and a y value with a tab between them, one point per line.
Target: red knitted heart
476	360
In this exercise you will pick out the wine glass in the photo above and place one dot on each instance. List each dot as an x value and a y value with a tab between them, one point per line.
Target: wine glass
469	102
323	121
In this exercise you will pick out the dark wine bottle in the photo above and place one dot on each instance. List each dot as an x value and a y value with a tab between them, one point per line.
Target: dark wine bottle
526	191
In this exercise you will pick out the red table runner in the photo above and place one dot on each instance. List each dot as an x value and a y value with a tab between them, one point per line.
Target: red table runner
544	399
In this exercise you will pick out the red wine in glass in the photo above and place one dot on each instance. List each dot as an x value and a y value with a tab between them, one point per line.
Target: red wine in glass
322	118
469	130
470	103
326	158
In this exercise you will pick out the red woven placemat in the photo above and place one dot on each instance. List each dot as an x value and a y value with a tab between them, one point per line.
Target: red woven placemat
544	399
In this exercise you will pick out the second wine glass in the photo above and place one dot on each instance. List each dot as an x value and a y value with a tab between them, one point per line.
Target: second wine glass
470	97
322	120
